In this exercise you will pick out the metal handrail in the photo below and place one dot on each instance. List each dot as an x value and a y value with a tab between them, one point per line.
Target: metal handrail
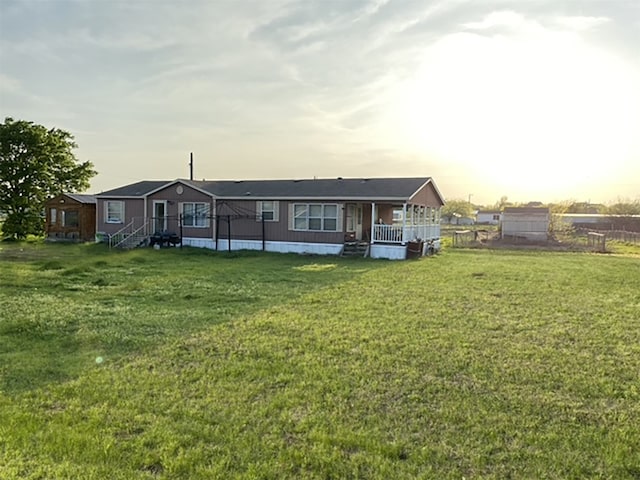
135	234
115	238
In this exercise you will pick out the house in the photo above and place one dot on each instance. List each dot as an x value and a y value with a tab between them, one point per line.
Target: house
71	217
318	216
525	223
489	217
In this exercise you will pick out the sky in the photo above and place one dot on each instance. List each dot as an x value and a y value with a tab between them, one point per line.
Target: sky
535	100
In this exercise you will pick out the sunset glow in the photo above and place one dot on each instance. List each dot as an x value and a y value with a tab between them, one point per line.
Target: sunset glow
535	103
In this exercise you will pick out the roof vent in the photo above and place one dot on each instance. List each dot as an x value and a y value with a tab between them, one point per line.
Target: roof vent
238	181
339	178
247	193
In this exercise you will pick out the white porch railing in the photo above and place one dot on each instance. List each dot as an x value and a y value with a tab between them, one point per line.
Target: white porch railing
408	233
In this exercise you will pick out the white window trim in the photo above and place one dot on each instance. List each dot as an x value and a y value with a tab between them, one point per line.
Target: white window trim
260	210
207	214
106	211
338	217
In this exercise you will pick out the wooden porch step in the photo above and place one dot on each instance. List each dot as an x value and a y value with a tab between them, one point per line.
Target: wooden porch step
355	249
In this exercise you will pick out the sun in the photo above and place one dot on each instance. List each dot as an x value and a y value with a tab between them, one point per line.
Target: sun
545	110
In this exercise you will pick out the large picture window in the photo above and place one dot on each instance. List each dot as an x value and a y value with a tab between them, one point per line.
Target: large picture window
114	211
267	211
195	215
315	217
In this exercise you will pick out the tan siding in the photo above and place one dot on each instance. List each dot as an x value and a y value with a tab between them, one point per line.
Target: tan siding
133	208
249	228
427	196
173	209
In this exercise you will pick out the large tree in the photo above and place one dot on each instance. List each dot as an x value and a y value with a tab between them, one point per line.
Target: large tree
457	208
36	163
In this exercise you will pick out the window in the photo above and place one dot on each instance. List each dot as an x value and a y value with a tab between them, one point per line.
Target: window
267	211
315	216
70	218
398	215
53	216
496	217
195	215
114	211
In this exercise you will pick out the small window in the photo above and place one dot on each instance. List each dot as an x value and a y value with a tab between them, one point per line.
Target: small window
267	211
70	218
53	216
195	215
114	211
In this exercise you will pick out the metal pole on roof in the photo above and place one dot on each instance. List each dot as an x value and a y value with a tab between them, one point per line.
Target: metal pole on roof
191	166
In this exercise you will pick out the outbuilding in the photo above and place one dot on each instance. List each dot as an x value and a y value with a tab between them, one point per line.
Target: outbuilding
525	223
71	217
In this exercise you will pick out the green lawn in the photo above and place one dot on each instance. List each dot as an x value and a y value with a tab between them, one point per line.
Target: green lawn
190	364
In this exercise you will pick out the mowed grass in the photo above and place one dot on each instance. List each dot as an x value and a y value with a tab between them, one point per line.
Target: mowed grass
196	365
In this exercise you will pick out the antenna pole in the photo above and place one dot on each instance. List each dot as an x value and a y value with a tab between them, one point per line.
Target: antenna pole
191	166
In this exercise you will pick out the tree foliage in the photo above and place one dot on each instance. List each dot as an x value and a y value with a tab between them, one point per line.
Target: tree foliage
624	207
456	208
36	163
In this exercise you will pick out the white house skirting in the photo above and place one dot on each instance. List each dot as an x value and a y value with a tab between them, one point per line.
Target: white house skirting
282	247
392	252
199	242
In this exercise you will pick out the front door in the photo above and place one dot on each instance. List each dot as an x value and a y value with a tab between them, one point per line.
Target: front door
354	220
159	215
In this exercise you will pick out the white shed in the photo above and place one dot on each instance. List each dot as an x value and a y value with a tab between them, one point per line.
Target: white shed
489	217
528	223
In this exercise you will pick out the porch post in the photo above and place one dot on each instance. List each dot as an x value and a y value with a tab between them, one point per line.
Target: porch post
404	223
373	222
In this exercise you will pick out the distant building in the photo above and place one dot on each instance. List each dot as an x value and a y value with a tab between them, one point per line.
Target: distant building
489	217
595	221
457	219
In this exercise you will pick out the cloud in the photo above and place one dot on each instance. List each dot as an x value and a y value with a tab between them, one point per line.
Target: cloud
581	23
498	19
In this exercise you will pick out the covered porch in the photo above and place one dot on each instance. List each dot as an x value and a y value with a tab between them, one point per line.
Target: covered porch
401	224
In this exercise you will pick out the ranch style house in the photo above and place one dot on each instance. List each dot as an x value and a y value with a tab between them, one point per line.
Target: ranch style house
376	217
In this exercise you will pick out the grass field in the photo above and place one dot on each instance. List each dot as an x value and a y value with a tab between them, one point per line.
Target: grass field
190	364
